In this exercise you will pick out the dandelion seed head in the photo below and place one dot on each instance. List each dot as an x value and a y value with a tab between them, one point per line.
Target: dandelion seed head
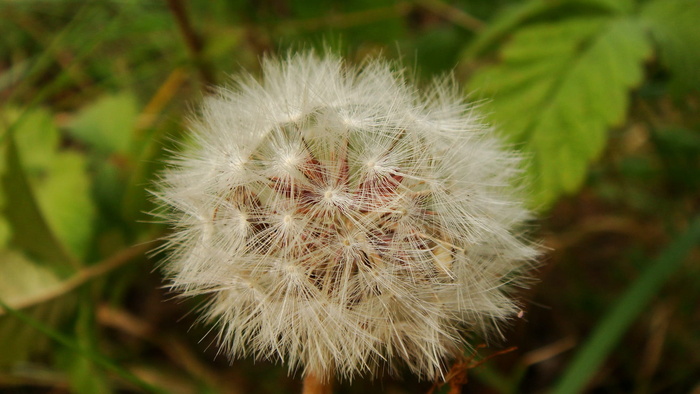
344	223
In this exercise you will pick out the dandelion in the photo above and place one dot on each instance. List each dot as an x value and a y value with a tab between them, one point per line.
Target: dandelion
344	223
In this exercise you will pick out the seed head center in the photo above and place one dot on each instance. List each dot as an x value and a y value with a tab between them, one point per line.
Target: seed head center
243	219
290	160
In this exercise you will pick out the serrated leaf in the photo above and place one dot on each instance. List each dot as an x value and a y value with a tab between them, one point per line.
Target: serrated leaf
22	279
65	199
30	229
558	89
107	124
674	24
512	17
505	21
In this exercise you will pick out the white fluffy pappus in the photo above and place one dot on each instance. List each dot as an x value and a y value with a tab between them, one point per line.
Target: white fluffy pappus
342	222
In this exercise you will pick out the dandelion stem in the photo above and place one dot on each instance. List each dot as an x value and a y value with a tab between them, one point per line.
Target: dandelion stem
315	385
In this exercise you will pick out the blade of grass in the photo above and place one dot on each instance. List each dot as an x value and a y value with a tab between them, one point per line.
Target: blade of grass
34	69
60	54
609	331
98	359
46	58
150	144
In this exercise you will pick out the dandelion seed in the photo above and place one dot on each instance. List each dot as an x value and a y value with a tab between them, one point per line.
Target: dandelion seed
342	222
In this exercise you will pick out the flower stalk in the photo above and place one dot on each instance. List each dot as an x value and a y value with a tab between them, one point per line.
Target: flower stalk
315	385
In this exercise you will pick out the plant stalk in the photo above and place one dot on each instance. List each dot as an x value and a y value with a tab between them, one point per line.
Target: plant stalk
313	384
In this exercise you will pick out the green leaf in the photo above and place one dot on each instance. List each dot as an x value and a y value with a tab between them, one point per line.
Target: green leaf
107	125
505	22
37	137
21	280
64	196
30	229
558	89
57	181
512	17
674	27
632	303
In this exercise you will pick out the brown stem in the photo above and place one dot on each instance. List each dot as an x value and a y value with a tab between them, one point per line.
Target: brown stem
82	276
315	385
454	15
349	19
193	41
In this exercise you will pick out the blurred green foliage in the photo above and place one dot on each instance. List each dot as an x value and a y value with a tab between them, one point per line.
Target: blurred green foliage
601	96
